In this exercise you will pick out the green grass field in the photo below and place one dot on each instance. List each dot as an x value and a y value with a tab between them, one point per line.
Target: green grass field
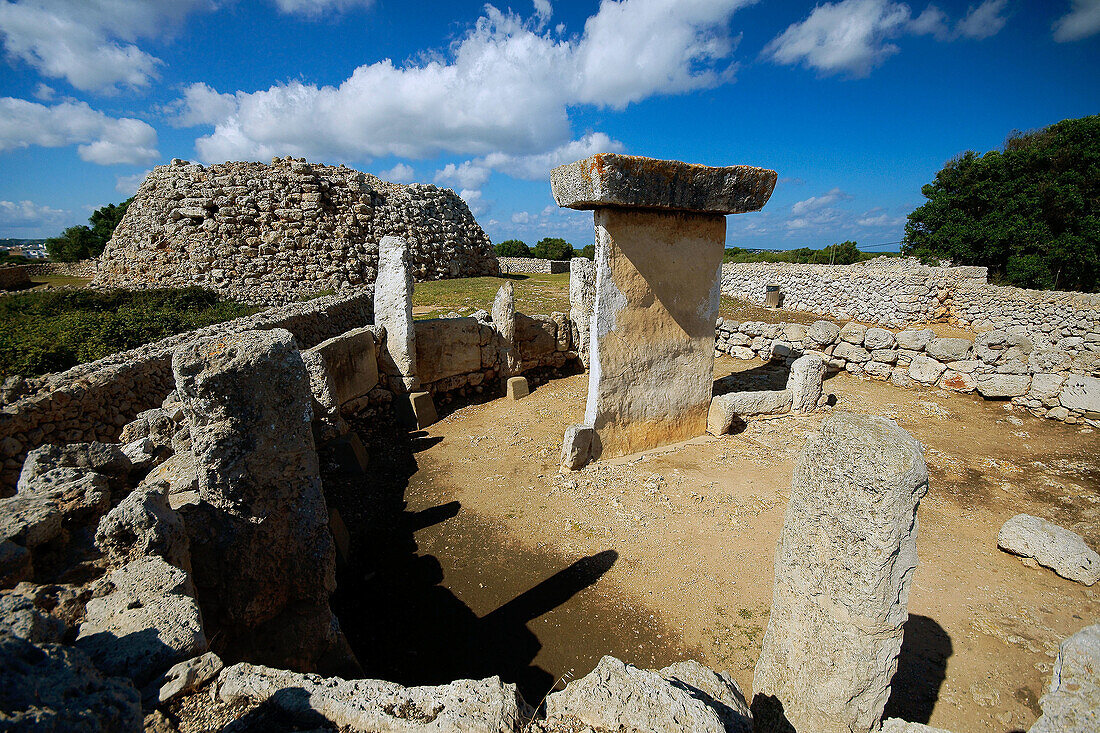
534	294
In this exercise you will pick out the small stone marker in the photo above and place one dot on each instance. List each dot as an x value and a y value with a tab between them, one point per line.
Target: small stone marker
518	388
660	234
576	448
843	568
393	289
423	409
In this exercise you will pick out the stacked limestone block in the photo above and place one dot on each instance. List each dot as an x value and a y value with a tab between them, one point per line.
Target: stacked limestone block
1058	380
272	233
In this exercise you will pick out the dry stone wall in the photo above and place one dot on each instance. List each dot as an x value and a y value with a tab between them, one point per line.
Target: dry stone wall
272	233
509	265
1051	314
892	293
1059	382
93	401
80	268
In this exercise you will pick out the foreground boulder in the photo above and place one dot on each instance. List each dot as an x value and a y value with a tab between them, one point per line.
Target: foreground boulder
261	551
145	621
50	687
143	524
620	697
1072	705
842	573
1051	546
470	706
50	502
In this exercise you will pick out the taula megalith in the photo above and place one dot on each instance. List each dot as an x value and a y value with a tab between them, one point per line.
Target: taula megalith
660	233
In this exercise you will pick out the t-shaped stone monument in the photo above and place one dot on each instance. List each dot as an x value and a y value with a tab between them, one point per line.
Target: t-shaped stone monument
660	234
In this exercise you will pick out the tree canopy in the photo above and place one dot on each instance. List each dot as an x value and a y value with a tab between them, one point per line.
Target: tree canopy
81	242
512	248
1029	212
553	248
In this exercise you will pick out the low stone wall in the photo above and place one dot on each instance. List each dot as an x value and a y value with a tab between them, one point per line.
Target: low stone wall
80	268
510	265
452	353
14	277
1058	382
1045	314
890	292
93	401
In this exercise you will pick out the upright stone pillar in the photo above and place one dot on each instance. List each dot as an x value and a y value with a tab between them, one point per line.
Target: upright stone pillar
660	234
843	568
504	323
582	293
393	291
261	550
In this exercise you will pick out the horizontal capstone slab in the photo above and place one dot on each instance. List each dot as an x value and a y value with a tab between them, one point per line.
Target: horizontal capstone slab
608	179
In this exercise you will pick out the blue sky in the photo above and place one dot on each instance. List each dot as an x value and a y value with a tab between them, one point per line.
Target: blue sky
855	103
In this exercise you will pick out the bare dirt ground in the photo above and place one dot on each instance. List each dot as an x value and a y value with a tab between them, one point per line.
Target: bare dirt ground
669	555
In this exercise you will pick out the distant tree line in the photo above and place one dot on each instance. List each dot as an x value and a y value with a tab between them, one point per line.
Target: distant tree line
548	248
1030	212
842	253
81	242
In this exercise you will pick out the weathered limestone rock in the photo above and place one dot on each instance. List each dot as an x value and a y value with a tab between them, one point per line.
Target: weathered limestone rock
844	565
853	333
146	621
878	338
50	687
104	458
1055	547
851	352
517	388
38	513
262	554
144	524
805	381
822	333
476	706
576	448
660	235
1081	393
393	291
582	294
184	678
1002	385
1072	704
925	369
914	339
504	322
348	367
446	347
948	349
16	564
724	409
896	725
620	697
21	617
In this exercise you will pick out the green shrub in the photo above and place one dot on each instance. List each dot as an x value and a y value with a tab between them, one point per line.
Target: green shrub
589	251
49	331
553	248
512	248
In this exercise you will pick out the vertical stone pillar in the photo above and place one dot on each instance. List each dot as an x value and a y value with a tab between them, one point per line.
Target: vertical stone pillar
393	291
660	234
261	551
582	293
504	323
843	568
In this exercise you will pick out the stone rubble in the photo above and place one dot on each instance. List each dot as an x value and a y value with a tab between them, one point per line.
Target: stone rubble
1054	547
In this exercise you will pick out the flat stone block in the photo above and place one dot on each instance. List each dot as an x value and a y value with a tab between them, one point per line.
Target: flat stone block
423	409
518	388
576	447
609	179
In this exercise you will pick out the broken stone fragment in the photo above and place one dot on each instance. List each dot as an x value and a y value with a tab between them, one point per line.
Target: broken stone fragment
183	679
145	621
473	706
805	382
144	524
104	458
1055	547
726	408
576	447
609	179
1072	704
843	568
44	504
620	697
20	616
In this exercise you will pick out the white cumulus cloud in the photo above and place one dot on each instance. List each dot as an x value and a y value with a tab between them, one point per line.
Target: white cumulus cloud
1082	21
23	214
317	8
505	87
465	175
855	36
400	173
819	202
91	43
101	139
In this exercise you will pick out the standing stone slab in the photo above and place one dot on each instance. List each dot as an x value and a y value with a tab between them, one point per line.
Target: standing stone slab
582	293
1072	704
393	290
843	569
504	322
660	235
262	554
805	382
